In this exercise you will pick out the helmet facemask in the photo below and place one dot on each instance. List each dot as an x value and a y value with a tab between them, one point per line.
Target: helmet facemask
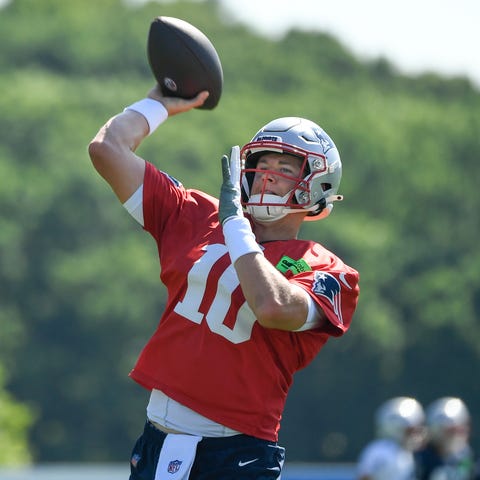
265	206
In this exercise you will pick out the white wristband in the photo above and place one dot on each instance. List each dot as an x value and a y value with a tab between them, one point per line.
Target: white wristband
154	112
239	238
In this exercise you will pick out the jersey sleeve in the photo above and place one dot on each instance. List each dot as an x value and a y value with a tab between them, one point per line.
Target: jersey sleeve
174	215
162	195
336	292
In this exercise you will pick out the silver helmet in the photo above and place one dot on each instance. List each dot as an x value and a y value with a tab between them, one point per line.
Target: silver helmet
401	419
314	191
448	423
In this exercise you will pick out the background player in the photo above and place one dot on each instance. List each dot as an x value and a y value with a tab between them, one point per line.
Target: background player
447	455
400	430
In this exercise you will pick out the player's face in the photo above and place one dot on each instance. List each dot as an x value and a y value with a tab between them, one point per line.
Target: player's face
454	439
276	174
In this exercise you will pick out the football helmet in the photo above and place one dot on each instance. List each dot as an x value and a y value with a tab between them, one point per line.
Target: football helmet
401	419
316	188
448	423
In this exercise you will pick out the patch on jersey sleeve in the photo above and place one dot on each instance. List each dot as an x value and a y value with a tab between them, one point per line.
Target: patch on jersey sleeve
295	266
326	285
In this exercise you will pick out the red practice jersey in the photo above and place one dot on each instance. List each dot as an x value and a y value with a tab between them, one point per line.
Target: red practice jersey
209	352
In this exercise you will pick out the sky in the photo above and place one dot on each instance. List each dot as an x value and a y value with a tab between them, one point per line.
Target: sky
416	36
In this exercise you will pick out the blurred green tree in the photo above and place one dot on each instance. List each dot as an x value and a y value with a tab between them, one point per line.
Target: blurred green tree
79	289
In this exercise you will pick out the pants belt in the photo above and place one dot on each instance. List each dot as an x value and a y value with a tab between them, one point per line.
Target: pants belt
162	428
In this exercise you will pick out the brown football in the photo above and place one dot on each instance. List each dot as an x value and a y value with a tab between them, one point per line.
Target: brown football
184	61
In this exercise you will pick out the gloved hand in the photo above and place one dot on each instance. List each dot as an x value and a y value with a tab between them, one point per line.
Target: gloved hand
230	195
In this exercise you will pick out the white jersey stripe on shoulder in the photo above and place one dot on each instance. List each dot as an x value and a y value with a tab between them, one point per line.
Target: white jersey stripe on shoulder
134	205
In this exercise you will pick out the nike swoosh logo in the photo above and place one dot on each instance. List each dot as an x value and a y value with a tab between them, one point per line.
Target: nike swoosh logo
242	464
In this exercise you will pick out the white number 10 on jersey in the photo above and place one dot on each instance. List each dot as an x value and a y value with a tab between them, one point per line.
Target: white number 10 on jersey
220	304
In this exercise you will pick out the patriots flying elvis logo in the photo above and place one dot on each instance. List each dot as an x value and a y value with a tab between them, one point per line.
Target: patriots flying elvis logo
324	139
326	285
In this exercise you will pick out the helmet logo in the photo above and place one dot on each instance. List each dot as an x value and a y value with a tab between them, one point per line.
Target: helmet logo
324	140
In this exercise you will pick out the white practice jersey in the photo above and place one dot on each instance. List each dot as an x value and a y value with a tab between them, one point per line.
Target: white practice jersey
386	460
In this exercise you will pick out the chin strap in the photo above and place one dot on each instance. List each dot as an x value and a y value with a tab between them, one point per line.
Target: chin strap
323	208
277	209
268	213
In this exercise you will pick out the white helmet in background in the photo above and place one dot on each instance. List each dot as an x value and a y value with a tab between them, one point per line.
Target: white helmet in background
316	188
401	419
448	423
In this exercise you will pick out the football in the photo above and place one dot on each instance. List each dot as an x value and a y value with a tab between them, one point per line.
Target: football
184	61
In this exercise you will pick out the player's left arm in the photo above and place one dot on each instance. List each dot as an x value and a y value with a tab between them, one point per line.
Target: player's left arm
275	301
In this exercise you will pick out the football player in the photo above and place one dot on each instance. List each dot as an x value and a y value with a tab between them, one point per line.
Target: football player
448	454
400	430
248	304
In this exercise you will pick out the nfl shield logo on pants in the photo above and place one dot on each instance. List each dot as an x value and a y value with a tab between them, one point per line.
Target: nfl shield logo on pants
174	466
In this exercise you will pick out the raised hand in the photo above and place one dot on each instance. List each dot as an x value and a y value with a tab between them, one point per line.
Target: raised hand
230	196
